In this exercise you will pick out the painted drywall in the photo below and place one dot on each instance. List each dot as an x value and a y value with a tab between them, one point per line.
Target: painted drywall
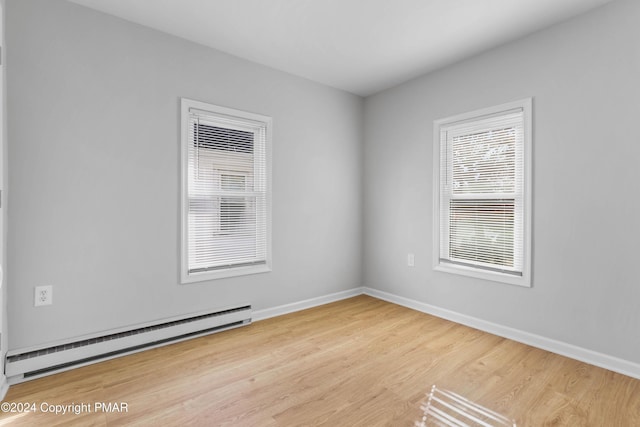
583	76
93	151
3	197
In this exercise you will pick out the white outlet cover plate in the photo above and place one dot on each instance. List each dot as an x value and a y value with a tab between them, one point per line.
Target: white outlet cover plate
43	296
411	260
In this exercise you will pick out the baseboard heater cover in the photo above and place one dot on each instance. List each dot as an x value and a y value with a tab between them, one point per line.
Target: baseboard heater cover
22	365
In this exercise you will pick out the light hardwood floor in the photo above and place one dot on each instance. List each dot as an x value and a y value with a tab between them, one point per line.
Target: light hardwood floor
357	362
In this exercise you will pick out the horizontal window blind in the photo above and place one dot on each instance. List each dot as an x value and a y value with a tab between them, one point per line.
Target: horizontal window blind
226	192
482	192
481	231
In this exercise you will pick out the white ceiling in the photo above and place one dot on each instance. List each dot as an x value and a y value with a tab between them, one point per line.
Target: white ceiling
361	46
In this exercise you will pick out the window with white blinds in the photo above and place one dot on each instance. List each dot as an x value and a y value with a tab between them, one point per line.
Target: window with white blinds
483	196
225	192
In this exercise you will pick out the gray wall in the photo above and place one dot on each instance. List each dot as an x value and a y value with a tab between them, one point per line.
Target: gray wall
93	156
93	147
3	211
583	75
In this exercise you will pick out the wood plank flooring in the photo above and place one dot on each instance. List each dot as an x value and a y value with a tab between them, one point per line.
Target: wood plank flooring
357	362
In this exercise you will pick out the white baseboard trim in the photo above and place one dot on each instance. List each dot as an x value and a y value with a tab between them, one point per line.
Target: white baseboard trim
303	305
601	360
4	386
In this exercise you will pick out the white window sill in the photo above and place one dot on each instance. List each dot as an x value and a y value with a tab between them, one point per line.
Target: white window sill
224	273
480	273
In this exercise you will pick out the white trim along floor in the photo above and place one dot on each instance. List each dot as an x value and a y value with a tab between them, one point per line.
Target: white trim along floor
591	357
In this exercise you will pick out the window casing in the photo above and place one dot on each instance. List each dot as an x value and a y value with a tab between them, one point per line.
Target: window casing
225	192
482	193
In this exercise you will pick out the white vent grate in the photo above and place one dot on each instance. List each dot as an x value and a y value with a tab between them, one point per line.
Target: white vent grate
22	365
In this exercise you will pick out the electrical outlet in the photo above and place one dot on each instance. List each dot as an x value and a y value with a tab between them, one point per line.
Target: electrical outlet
411	260
43	296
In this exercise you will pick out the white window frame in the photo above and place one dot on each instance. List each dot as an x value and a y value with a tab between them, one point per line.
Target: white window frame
185	275
520	278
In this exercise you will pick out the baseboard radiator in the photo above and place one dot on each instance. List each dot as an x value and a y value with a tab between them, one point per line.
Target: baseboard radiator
31	363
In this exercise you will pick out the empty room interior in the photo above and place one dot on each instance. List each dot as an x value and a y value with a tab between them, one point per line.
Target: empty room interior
305	212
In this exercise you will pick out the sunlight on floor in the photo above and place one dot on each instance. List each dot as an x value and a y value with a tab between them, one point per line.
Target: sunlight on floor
12	418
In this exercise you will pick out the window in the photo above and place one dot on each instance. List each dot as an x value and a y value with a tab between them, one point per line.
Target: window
225	192
482	194
232	209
